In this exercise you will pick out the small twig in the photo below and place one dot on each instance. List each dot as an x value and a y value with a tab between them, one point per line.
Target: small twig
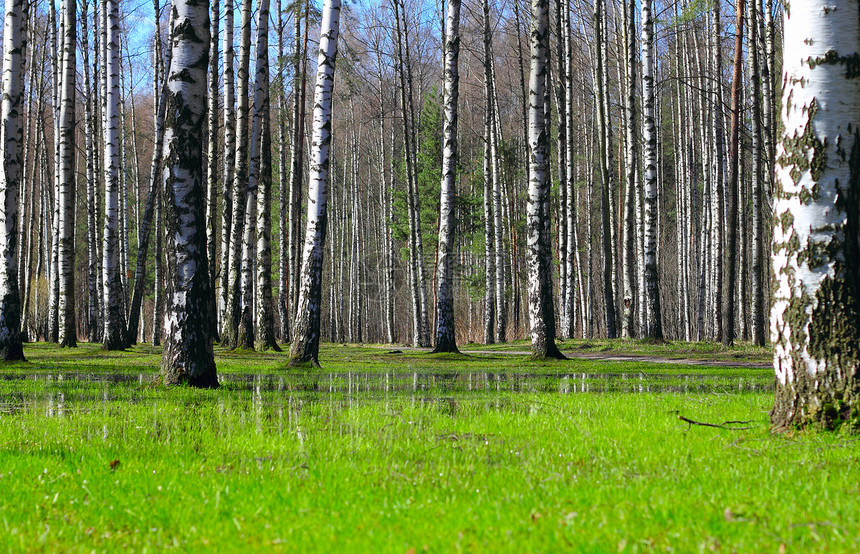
724	425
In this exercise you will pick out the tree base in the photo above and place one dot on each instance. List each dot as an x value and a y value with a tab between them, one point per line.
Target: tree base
300	363
445	347
265	346
12	353
551	352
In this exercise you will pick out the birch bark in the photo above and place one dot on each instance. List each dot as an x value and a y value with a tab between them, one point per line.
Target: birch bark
114	326
305	346
649	136
265	324
730	263
11	139
446	340
233	309
229	161
541	310
815	319
188	356
67	332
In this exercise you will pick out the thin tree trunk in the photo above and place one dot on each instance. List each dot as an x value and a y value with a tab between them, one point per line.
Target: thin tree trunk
212	165
757	284
628	256
229	162
67	331
305	346
541	310
233	313
114	326
605	196
649	136
283	200
265	323
730	279
446	340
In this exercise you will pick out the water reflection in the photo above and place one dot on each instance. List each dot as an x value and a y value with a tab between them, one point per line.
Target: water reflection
273	401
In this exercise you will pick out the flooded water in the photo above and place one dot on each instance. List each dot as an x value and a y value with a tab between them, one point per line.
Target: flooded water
56	392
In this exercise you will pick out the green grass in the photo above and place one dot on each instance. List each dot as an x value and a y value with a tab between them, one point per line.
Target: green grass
46	358
668	349
280	463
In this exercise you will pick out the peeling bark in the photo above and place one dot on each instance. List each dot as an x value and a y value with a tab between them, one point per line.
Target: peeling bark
188	356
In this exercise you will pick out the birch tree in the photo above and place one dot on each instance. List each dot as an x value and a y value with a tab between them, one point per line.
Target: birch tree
541	310
265	324
649	160
730	278
815	319
246	333
446	341
306	337
11	146
66	192
233	309
188	356
212	162
229	160
114	324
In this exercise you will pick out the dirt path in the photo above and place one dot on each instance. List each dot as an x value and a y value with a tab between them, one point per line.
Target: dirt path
609	357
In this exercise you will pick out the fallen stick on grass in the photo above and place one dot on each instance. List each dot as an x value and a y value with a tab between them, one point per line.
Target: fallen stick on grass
723	425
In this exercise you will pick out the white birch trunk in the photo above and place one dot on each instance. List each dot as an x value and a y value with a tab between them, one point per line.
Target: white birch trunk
11	174
305	346
265	324
246	332
229	161
233	309
649	159
212	163
114	326
541	310
815	319
188	356
446	340
67	332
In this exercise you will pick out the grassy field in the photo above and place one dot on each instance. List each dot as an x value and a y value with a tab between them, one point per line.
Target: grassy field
401	452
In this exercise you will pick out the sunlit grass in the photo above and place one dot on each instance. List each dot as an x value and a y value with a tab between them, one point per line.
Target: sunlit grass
394	458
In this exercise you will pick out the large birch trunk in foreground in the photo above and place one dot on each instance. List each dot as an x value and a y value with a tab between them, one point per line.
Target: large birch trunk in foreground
11	143
188	356
446	341
306	337
815	319
541	311
66	192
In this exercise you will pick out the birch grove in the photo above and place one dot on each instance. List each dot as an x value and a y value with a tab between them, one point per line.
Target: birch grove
475	172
